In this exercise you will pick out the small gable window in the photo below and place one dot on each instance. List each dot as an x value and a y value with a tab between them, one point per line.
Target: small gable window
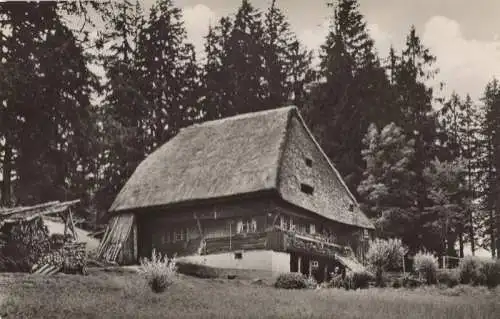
351	207
309	162
308	189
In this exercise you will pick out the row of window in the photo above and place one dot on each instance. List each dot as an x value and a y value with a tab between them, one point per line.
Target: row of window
242	226
177	235
184	234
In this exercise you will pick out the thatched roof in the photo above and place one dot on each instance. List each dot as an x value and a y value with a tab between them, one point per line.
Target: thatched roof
231	156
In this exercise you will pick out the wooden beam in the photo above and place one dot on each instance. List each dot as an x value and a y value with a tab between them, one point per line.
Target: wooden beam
198	224
72	224
202	237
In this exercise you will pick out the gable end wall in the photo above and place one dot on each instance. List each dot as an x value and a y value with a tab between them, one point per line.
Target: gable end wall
329	198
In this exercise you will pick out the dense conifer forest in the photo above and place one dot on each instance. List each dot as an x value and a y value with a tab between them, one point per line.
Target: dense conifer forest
426	169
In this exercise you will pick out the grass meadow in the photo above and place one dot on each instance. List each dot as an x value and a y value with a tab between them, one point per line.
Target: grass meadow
126	295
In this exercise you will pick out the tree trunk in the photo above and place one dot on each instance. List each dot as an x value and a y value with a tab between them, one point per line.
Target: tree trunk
472	236
461	244
6	175
492	234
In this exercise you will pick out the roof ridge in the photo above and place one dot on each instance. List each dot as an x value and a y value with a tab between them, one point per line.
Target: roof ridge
241	116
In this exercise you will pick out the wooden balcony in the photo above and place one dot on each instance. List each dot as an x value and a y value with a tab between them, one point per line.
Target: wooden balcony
278	240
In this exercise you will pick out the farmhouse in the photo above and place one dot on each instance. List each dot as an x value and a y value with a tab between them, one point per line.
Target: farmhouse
251	191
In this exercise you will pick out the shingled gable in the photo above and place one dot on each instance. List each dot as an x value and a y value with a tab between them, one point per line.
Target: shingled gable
240	155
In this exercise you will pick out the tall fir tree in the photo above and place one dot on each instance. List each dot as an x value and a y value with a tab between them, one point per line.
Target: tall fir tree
49	136
287	63
460	121
124	110
244	52
352	93
170	82
254	62
490	164
216	77
414	97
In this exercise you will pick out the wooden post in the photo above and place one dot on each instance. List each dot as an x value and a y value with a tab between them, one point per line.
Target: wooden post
65	221
198	224
135	253
404	267
230	236
299	264
275	219
310	268
72	224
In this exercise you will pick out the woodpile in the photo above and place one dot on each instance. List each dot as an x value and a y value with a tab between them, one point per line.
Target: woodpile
70	259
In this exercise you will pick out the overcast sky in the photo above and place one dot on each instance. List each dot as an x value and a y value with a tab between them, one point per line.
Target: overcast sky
463	34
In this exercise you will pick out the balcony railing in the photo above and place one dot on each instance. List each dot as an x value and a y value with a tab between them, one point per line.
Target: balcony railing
278	240
312	244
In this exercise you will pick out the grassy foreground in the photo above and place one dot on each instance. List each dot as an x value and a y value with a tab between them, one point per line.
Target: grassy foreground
124	295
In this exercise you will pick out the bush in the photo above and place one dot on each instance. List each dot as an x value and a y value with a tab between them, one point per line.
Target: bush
311	283
360	279
292	280
397	283
450	278
336	282
410	281
384	255
469	270
197	270
490	273
426	265
159	271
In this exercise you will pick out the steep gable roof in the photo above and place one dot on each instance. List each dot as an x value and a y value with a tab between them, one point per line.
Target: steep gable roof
232	156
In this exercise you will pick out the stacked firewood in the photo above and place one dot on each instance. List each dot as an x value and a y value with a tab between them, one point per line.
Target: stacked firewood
71	258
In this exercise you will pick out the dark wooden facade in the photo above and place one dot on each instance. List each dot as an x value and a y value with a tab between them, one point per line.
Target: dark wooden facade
277	226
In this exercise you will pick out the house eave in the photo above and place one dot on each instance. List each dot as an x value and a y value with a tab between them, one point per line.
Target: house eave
194	202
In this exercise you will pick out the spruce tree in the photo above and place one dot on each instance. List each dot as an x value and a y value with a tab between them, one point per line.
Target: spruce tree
352	92
124	110
50	126
415	98
170	82
245	61
490	165
459	119
216	77
287	63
